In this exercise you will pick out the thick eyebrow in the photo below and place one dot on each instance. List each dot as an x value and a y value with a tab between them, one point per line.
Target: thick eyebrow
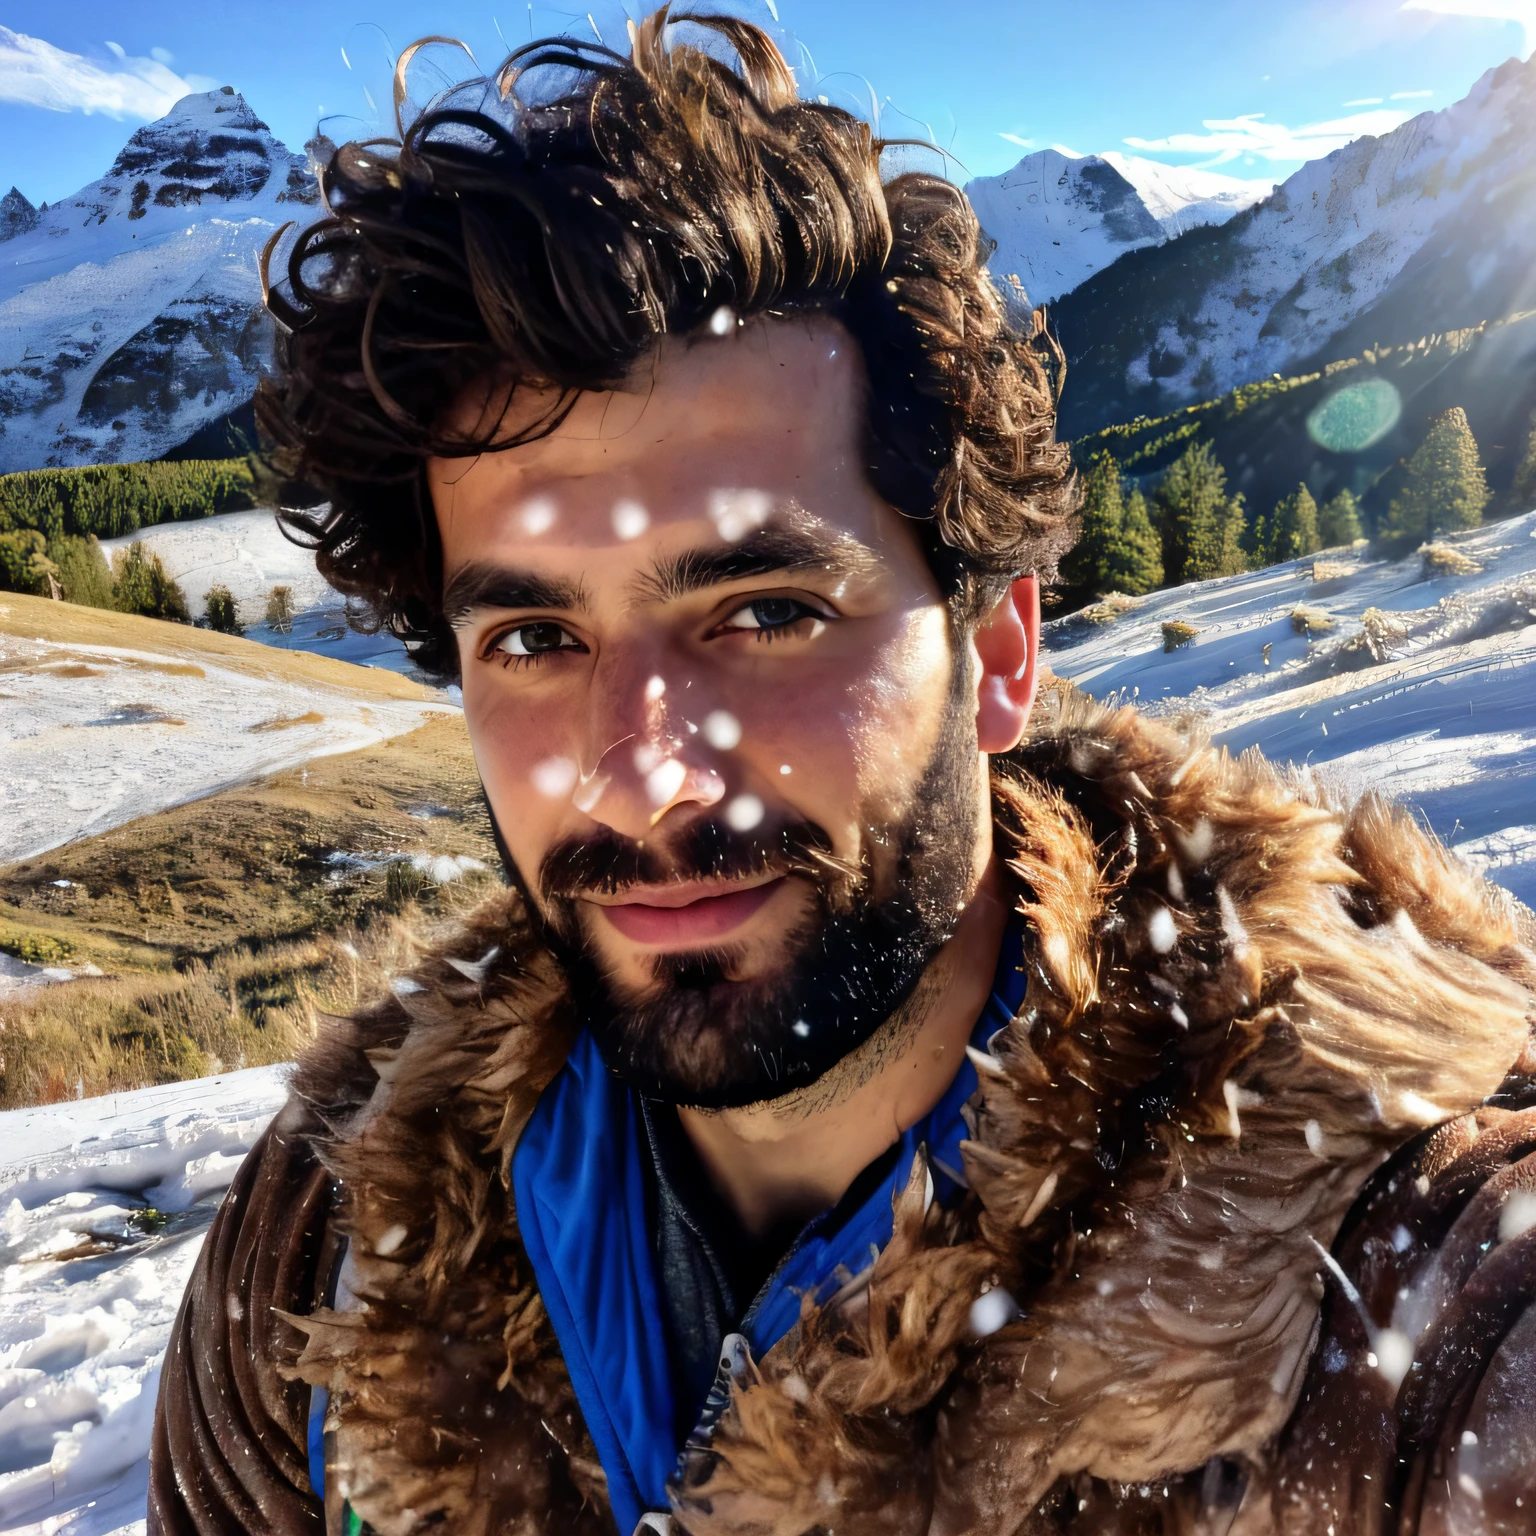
767	552
481	584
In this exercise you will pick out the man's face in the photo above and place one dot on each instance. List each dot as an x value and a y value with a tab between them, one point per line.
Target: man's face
713	696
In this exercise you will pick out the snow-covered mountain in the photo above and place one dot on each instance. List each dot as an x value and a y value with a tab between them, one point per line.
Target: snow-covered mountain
1058	218
1425	229
130	313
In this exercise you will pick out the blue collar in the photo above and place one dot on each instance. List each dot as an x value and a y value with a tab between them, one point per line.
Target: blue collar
578	1178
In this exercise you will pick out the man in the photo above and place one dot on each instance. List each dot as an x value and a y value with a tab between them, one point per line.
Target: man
882	1102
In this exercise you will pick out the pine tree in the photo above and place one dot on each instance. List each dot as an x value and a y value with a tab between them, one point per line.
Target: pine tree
1201	526
83	571
222	615
1293	527
1338	521
1088	562
1522	489
24	563
1444	488
1138	567
141	584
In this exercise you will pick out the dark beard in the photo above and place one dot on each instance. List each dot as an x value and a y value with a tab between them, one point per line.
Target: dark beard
696	1036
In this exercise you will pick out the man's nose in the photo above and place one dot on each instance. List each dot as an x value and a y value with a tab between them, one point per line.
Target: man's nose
645	753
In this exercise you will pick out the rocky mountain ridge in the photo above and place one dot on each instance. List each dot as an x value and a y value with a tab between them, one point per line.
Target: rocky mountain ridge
130	314
1425	229
1058	219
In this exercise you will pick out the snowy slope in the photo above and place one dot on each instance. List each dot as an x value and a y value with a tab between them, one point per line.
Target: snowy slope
1445	721
95	734
247	552
130	313
1427	228
82	1339
1058	219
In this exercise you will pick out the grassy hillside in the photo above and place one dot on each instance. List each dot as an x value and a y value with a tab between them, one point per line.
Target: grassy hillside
220	926
223	925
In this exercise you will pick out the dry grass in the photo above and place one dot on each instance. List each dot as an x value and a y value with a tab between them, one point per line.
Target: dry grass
223	925
104	1035
1307	620
1444	560
1177	633
244	1008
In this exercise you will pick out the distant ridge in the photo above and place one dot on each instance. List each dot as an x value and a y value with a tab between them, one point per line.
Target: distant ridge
1428	228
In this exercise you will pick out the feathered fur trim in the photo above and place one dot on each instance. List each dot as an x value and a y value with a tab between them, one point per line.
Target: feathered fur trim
1242	998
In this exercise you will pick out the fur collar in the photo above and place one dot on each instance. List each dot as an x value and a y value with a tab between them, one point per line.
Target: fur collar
1242	999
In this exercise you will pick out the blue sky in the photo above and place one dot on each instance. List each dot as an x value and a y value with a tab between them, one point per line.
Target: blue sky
1249	87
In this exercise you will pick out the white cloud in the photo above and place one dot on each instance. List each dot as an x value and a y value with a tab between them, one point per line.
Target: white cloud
1522	12
1225	139
1013	138
1366	101
34	73
1410	95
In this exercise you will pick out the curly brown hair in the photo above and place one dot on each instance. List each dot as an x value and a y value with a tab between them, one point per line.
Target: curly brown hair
503	240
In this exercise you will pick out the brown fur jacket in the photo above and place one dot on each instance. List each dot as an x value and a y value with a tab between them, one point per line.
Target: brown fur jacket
1243	1002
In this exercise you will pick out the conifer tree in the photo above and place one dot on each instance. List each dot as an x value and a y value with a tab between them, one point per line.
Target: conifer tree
1138	567
1201	526
1522	489
1444	488
221	612
1293	527
83	571
141	584
24	563
1338	520
1088	563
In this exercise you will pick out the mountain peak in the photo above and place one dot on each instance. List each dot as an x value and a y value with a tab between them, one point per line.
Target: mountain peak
17	215
1059	218
167	332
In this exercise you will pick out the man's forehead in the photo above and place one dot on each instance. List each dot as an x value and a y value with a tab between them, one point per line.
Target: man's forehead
793	383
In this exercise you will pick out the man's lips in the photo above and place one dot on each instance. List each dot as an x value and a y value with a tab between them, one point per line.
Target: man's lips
669	916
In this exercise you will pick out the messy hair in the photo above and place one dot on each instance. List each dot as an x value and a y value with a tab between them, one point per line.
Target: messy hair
516	236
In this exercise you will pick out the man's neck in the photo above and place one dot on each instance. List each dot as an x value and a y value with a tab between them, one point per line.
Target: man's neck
792	1158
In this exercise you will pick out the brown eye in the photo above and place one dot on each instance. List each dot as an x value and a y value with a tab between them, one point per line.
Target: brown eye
537	639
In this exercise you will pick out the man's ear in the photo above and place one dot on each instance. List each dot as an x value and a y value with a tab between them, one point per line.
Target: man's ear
1007	645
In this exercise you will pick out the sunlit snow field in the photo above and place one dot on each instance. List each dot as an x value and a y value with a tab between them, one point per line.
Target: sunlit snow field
1446	720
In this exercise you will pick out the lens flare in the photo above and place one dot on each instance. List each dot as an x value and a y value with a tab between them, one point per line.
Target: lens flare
1351	419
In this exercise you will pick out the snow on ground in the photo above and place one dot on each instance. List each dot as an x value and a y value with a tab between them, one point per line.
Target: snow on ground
92	736
1445	720
247	552
129	1182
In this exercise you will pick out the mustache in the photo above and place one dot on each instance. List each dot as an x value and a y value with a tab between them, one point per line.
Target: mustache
707	849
